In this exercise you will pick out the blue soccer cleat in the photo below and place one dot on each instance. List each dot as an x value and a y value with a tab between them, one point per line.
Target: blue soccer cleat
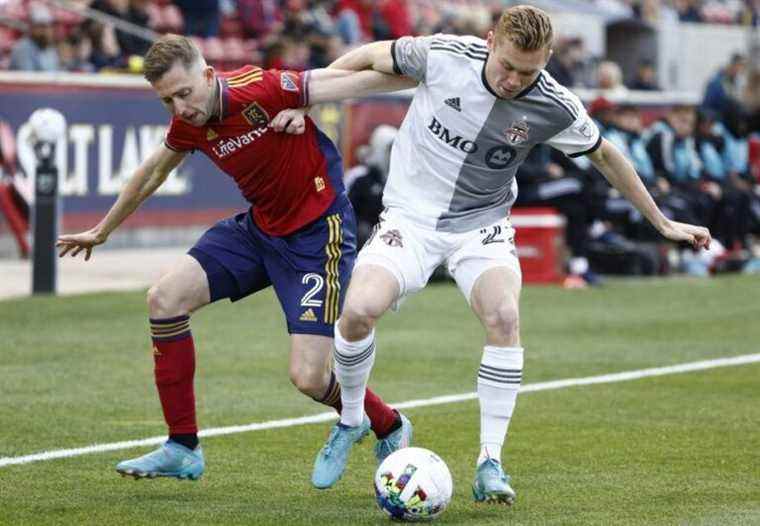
332	458
399	439
170	460
492	485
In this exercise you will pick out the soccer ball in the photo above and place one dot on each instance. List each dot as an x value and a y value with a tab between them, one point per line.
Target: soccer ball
413	484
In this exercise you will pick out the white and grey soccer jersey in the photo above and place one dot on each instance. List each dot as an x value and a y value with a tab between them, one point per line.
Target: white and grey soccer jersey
454	161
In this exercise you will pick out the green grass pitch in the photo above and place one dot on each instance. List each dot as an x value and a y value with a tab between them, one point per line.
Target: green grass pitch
680	449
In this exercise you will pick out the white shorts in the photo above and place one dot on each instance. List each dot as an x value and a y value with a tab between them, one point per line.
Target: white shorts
412	252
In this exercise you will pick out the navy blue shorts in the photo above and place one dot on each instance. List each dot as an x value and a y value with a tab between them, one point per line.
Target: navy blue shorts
309	268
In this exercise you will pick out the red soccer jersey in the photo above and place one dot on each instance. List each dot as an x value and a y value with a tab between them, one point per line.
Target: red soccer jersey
289	179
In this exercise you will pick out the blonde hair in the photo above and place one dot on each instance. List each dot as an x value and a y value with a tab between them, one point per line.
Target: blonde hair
165	52
527	27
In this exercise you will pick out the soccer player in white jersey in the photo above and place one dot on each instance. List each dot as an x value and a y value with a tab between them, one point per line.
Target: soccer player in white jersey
479	107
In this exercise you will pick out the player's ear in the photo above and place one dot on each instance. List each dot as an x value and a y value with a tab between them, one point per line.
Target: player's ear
489	40
209	74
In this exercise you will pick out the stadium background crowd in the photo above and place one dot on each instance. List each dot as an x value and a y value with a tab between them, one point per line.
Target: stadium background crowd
701	162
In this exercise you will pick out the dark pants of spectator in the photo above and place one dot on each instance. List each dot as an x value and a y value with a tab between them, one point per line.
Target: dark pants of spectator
732	220
201	23
568	196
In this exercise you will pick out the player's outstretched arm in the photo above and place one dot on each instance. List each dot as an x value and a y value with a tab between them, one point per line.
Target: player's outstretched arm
376	56
332	85
621	174
147	179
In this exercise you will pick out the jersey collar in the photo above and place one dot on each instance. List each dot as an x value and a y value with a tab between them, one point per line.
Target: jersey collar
223	99
491	90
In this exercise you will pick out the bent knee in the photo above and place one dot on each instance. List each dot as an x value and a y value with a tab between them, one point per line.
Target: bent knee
359	313
503	322
163	302
311	383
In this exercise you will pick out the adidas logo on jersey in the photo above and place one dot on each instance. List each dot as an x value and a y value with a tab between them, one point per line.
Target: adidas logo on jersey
308	315
211	135
453	103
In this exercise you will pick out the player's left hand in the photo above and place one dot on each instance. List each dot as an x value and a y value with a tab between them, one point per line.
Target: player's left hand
290	121
698	236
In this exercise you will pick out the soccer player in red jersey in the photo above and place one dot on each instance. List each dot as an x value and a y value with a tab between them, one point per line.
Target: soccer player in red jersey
298	235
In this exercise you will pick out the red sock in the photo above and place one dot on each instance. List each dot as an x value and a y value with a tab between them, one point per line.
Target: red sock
381	416
174	358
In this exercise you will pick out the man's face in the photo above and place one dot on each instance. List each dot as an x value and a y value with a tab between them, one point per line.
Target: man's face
42	34
735	69
629	120
188	93
509	69
683	121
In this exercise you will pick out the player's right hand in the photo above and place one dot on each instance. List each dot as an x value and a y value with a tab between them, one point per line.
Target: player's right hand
291	121
698	236
75	243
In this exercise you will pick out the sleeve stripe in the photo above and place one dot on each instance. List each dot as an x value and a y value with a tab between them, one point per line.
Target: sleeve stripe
460	53
172	148
396	68
594	148
475	47
557	91
306	79
556	99
560	91
243	74
245	80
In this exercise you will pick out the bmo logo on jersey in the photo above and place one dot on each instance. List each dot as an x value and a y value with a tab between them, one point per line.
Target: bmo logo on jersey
496	157
455	141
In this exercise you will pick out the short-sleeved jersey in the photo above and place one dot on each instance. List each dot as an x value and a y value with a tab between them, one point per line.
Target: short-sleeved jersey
290	180
454	161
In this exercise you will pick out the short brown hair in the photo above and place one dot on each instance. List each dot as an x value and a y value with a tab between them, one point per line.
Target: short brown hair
165	52
527	27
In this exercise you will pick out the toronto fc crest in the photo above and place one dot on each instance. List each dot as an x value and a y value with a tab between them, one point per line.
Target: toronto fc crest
518	132
392	238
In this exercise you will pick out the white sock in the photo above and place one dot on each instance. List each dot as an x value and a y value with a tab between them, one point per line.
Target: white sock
499	379
353	363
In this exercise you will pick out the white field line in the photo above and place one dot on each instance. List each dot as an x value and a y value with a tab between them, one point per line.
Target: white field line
438	400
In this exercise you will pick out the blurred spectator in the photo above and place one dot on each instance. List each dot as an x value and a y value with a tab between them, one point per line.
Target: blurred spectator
260	17
132	11
687	10
106	53
609	79
347	23
566	63
274	55
75	52
459	22
37	50
314	34
202	17
547	179
725	85
649	11
671	146
355	19
365	182
602	111
390	19
752	101
646	77
624	130
726	177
